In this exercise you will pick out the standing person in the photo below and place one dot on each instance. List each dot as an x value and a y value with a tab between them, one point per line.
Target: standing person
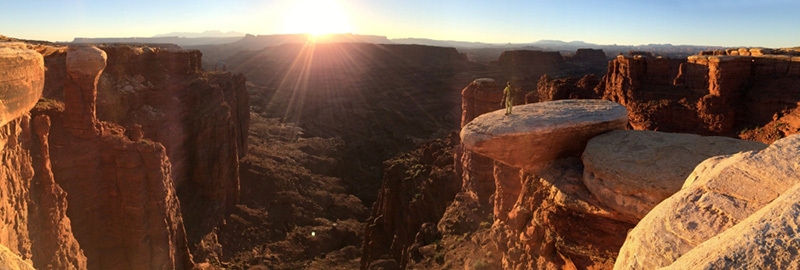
508	98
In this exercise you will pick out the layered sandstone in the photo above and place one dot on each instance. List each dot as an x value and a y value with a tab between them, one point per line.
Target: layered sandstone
37	227
766	239
538	189
632	171
22	81
122	201
720	193
164	96
718	93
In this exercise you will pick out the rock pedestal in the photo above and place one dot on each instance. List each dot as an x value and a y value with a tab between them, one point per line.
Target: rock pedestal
84	65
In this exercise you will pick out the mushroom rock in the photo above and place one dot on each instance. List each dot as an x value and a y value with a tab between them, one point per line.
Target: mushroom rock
535	134
84	65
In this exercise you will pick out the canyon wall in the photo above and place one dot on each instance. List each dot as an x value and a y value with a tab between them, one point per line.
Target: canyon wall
90	177
37	228
717	94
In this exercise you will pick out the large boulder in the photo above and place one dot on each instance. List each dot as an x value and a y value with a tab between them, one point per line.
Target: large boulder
22	80
768	239
631	171
721	192
541	132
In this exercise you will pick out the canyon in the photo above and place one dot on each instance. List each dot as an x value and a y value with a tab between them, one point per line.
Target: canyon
137	157
572	211
99	138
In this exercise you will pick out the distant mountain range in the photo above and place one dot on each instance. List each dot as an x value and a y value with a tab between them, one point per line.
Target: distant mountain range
477	51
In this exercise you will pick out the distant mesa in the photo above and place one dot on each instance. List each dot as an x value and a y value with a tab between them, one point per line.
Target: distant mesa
205	34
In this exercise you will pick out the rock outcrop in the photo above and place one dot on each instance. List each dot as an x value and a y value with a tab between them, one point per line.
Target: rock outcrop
36	228
480	96
402	222
538	188
541	132
564	88
84	65
123	205
632	171
720	193
179	106
766	239
22	82
711	94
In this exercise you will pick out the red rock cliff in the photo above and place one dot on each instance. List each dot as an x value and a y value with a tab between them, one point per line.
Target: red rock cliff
36	227
718	94
200	118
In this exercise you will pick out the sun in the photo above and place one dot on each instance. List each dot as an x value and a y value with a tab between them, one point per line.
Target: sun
317	17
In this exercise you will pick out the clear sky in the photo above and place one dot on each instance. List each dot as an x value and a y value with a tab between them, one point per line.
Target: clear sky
766	23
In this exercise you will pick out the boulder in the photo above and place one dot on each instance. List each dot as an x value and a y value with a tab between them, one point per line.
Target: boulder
721	192
631	171
537	133
22	80
768	239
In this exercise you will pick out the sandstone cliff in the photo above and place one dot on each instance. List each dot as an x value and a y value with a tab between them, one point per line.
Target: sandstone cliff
720	94
38	229
81	184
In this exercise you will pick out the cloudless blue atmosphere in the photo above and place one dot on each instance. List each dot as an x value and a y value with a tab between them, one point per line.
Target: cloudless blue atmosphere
764	23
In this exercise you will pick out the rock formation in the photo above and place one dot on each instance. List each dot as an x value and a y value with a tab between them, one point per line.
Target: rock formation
719	94
123	206
621	167
766	239
479	97
84	65
542	131
37	227
538	185
720	193
10	260
564	88
79	193
181	108
23	80
405	221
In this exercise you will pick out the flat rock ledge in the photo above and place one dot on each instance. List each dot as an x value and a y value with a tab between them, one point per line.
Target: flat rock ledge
631	171
535	134
21	80
720	193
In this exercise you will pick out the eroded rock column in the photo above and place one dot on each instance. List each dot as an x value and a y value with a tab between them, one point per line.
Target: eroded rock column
84	65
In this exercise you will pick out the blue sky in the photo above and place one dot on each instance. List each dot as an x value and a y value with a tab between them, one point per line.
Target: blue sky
766	23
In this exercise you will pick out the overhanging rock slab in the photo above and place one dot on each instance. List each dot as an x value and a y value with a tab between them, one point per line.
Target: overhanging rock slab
541	132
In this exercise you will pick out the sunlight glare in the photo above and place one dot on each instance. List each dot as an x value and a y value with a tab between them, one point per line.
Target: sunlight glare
317	17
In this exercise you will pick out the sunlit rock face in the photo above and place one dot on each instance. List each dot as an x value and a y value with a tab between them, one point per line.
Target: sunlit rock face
21	82
631	171
541	132
751	189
